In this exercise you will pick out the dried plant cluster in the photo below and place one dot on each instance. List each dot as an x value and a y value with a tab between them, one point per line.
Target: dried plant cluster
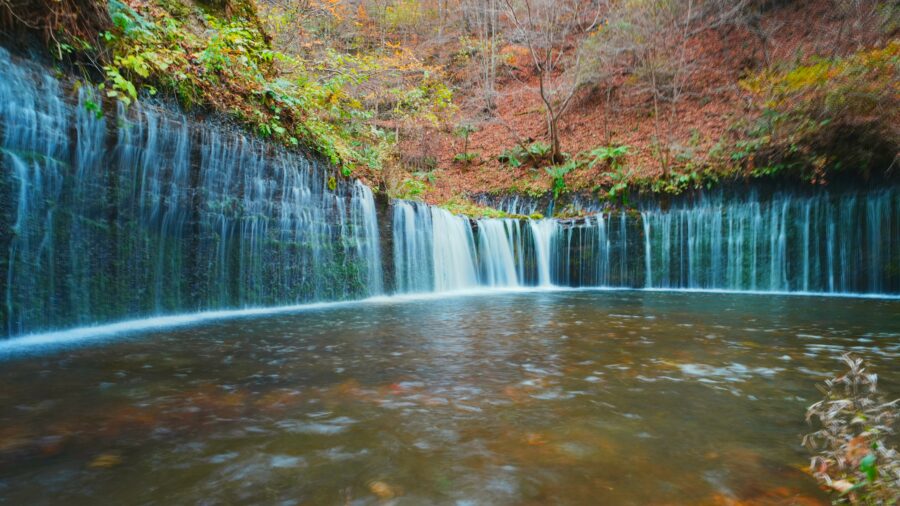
853	451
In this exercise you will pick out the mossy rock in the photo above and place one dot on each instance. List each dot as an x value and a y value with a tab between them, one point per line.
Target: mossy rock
227	8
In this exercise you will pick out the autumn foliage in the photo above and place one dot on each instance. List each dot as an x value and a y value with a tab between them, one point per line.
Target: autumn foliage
699	91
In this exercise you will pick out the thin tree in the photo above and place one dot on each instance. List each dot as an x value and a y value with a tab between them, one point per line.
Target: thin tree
552	31
482	17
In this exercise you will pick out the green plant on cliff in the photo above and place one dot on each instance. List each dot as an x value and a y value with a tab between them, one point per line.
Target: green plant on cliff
513	156
538	151
518	155
618	188
462	206
558	174
411	189
612	154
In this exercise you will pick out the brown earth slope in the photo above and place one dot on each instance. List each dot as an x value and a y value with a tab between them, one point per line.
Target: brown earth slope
718	58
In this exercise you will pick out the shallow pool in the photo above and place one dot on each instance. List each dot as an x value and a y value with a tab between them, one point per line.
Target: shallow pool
570	397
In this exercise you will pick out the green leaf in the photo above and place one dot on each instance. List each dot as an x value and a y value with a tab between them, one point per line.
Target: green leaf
868	466
94	107
539	150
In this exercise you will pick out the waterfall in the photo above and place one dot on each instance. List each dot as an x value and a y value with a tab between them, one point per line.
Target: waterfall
366	237
35	157
437	251
648	261
110	212
543	232
603	252
454	252
141	211
495	248
413	253
511	204
821	242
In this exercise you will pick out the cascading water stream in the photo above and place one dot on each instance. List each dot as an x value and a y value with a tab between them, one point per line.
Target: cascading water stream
365	220
822	242
543	231
453	248
141	211
413	258
435	250
496	246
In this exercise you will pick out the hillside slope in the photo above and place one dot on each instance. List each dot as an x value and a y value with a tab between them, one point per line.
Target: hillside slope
440	101
717	129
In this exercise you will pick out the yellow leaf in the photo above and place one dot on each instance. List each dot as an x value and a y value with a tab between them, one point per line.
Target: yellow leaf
383	490
105	461
841	485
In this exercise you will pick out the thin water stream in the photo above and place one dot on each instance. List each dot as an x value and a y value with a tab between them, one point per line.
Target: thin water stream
569	397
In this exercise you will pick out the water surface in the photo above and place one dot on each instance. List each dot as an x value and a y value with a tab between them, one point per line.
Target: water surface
578	397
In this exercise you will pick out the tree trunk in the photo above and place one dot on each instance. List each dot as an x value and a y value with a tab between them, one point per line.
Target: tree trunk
555	147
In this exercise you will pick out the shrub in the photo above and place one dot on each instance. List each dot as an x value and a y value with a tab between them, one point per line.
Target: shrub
830	115
466	158
513	156
851	453
611	154
463	131
411	189
462	206
539	151
534	153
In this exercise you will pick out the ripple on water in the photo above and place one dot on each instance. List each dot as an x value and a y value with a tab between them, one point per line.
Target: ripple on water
325	427
734	372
